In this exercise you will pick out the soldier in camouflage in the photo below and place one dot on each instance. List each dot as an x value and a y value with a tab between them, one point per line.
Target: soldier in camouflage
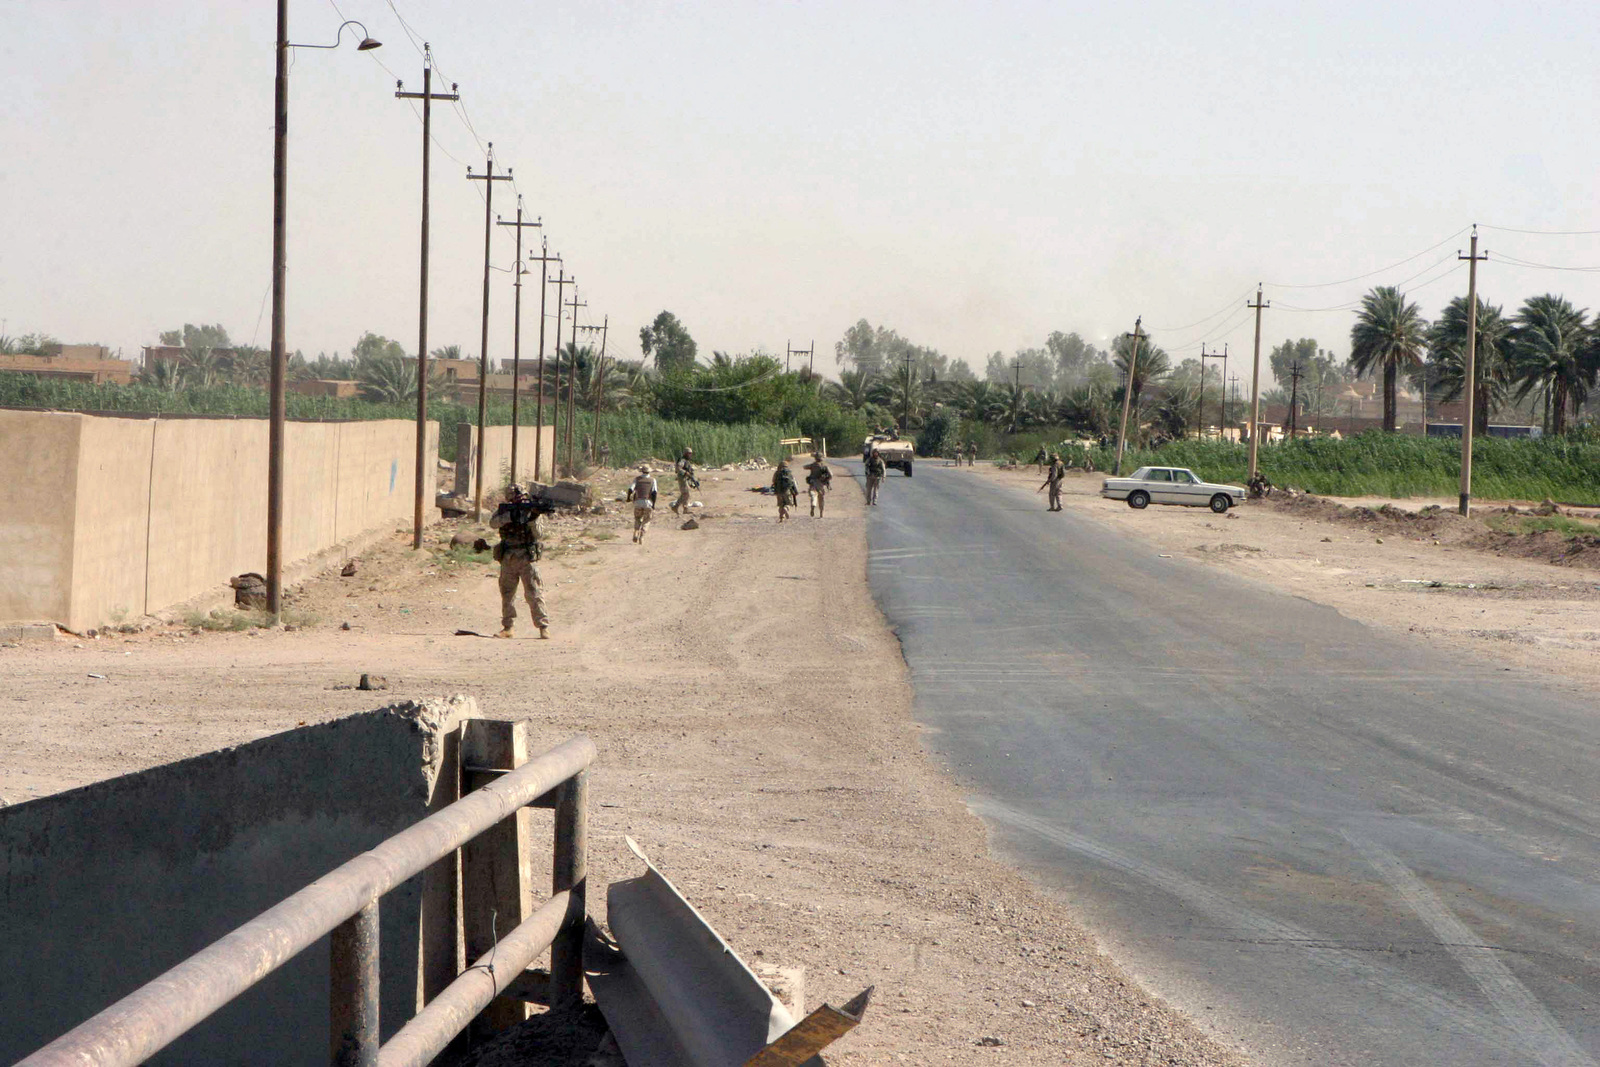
517	520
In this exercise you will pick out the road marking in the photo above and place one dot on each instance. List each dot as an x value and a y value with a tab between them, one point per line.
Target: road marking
1521	1010
1459	1016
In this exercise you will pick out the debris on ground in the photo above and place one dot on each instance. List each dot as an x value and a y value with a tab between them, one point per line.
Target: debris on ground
372	682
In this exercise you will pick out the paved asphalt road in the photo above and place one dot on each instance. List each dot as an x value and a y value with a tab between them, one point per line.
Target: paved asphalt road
1330	843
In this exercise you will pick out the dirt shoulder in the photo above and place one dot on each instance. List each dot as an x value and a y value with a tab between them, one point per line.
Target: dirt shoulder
1492	584
753	716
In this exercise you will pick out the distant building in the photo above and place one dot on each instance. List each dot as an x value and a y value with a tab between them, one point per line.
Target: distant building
81	363
338	388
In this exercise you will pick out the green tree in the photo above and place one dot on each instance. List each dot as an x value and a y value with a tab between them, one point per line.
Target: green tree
1388	337
446	352
195	337
853	391
668	340
1552	350
1152	363
249	365
1447	352
373	346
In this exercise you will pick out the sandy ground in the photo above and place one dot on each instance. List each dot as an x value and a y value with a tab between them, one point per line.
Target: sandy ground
752	714
1457	582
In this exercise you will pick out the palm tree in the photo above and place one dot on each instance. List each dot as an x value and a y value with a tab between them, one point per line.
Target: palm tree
1151	365
981	401
1089	409
250	365
392	379
446	352
1551	349
201	366
853	391
163	374
1447	351
1389	334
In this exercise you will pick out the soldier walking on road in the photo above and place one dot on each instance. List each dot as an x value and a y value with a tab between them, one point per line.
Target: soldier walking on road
643	494
684	469
875	472
972	453
1041	459
518	550
1058	471
783	485
819	479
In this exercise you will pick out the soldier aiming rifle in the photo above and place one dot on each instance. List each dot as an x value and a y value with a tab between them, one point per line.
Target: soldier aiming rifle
517	551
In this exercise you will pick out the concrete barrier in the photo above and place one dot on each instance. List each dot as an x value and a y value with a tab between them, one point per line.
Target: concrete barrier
105	887
126	516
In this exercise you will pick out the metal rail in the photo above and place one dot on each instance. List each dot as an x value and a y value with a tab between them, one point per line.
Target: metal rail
153	1016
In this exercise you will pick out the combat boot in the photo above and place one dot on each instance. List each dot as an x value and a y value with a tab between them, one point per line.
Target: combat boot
544	633
507	633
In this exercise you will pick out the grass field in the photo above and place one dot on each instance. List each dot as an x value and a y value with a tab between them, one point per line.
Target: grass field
1564	469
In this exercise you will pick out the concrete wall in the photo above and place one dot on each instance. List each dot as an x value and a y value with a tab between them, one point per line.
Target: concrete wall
497	455
103	888
114	516
38	468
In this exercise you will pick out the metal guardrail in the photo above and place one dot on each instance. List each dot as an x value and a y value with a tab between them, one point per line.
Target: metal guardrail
344	902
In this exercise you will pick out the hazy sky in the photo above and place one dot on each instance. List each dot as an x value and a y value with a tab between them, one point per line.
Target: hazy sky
972	175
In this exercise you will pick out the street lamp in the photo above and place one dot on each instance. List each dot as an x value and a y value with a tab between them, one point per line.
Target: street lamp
277	404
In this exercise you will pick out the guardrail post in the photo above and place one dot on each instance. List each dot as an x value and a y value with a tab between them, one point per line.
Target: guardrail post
496	880
570	872
353	990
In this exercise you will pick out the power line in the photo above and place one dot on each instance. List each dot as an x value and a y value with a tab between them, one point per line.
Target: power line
1380	270
1224	309
1503	257
1542	233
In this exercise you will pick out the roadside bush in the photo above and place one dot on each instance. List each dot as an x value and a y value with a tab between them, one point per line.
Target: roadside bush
939	435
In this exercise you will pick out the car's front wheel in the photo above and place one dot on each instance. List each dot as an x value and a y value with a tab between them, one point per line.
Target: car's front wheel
1221	503
1138	499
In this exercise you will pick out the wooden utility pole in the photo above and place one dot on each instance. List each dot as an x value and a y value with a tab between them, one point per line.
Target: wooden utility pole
1221	388
544	259
1233	389
489	177
1255	384
427	96
516	342
1127	391
1471	378
572	375
905	417
1295	374
562	281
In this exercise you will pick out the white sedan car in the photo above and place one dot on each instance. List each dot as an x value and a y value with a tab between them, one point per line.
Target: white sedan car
1171	485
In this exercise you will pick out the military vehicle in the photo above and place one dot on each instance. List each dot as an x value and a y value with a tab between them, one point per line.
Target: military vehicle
897	452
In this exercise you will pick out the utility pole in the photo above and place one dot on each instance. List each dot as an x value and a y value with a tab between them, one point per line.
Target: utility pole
572	376
811	358
1295	375
788	351
489	177
516	342
905	417
1468	417
1255	384
1204	355
562	281
427	96
598	378
1233	388
1127	392
544	259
